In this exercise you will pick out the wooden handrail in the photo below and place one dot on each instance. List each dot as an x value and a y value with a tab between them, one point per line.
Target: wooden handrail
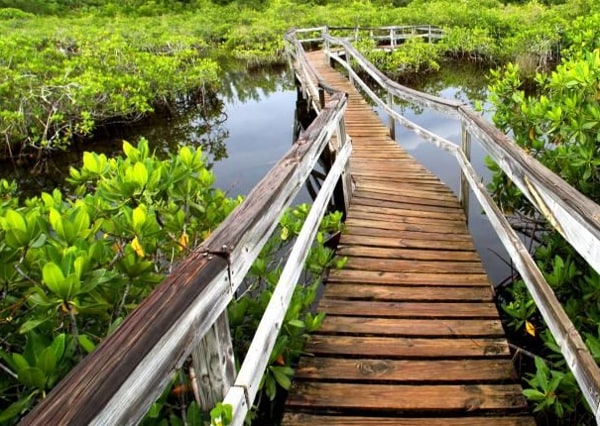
572	214
119	381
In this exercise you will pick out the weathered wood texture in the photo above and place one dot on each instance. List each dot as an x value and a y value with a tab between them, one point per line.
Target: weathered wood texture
411	335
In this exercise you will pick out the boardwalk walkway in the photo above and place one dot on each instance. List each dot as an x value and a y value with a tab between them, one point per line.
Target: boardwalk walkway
411	336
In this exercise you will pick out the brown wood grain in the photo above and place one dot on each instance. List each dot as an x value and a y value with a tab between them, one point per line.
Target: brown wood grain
413	278
414	254
411	327
407	293
409	309
405	371
471	398
303	419
432	266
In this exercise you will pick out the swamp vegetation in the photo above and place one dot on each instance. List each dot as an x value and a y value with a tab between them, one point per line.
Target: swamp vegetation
75	262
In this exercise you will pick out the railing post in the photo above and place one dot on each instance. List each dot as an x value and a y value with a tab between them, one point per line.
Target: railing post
343	191
321	97
213	364
392	120
465	146
324	34
393	38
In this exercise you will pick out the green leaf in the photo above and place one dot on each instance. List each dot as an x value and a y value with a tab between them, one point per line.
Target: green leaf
14	220
86	343
81	223
56	221
281	378
139	217
20	362
31	324
16	408
54	279
33	377
58	346
47	361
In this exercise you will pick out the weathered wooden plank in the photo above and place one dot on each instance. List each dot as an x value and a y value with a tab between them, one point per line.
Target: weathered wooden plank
408	210
403	371
392	265
409	309
405	197
353	230
424	209
388	222
369	240
302	419
418	279
411	327
407	347
408	254
421	293
472	398
214	364
367	212
384	188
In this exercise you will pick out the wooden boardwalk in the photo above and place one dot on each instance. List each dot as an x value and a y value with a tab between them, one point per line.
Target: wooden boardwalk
411	336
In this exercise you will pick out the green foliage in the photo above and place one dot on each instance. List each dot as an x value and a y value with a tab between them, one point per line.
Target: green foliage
61	79
74	266
559	125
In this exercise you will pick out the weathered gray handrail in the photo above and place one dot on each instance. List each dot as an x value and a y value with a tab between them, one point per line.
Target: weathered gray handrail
573	215
119	381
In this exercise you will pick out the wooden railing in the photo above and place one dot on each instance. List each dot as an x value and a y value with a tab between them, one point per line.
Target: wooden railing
573	215
186	314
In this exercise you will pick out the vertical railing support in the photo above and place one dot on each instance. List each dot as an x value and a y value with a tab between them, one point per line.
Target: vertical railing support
392	120
393	38
343	190
465	146
213	364
324	34
321	98
350	77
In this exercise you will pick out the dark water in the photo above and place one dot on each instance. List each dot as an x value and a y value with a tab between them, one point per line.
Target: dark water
250	126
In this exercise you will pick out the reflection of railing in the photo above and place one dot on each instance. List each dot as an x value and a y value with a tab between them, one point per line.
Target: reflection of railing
574	216
186	314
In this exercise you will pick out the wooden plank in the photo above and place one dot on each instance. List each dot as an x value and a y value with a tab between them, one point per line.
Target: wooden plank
405	197
303	419
392	265
423	209
372	231
408	254
472	398
369	240
403	371
333	324
407	347
407	293
397	209
418	279
409	309
365	212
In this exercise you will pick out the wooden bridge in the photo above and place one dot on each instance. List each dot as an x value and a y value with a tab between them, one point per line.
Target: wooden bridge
411	336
